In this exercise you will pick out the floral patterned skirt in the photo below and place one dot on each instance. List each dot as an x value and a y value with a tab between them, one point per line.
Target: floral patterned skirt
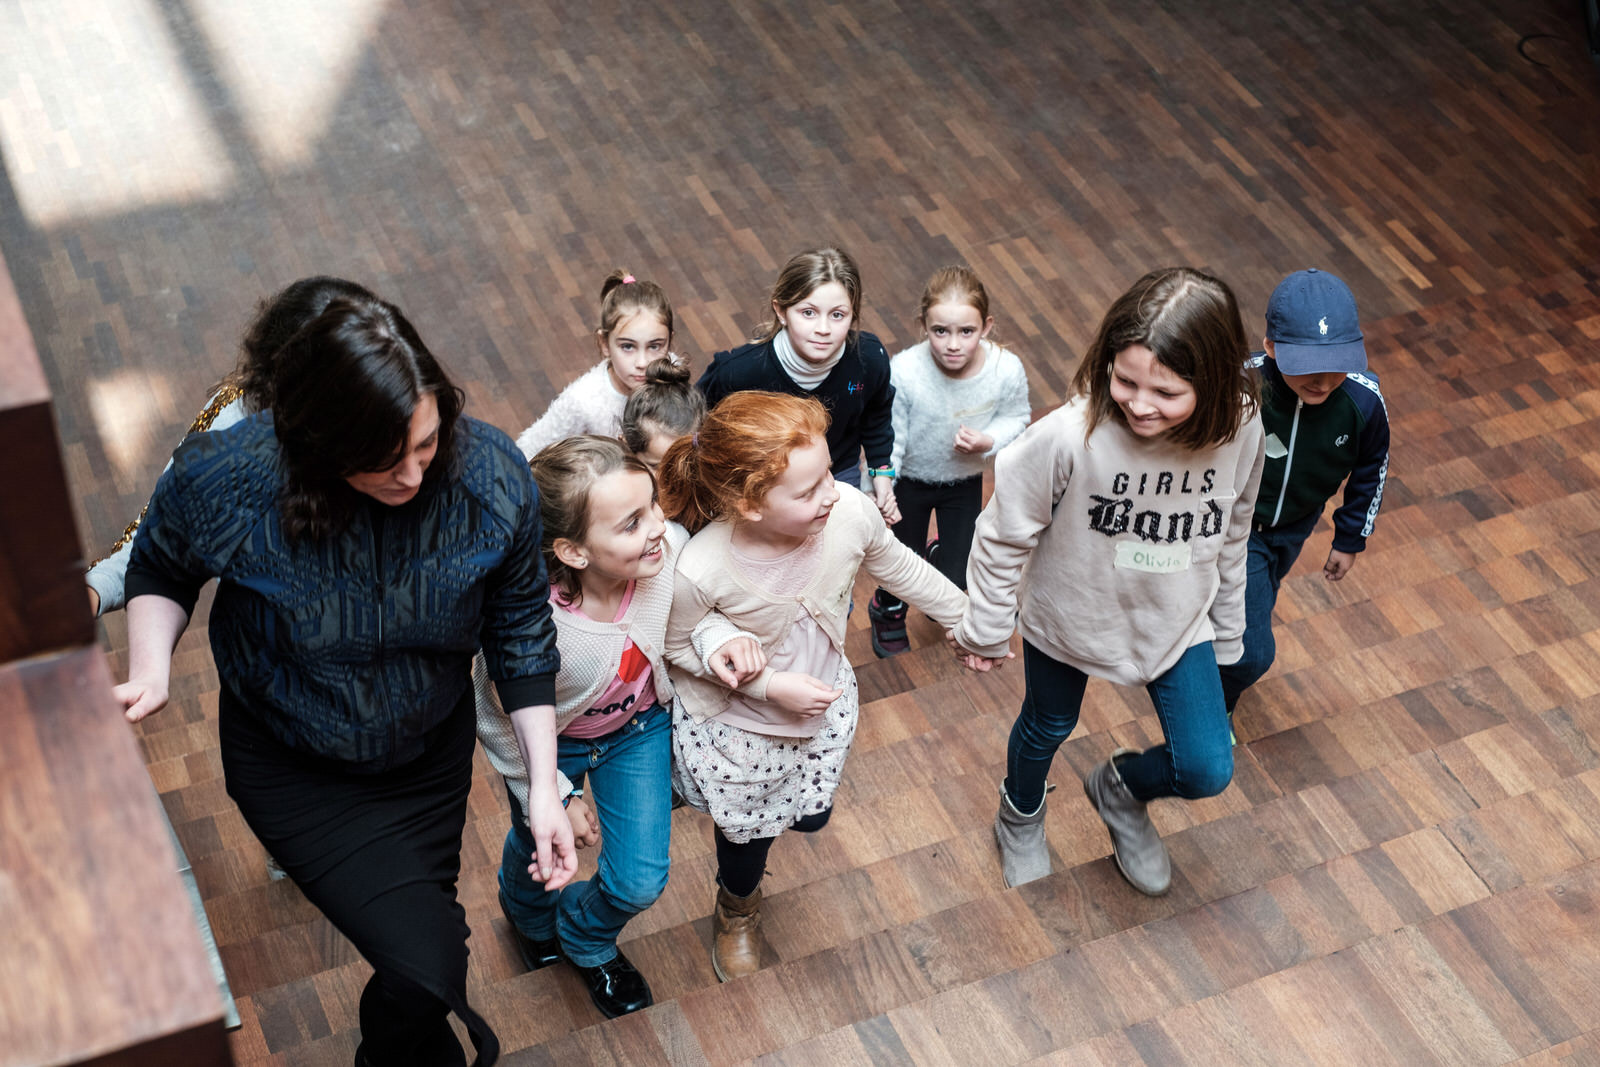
756	785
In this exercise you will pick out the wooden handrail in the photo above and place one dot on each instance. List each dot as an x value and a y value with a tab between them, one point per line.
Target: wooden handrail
100	961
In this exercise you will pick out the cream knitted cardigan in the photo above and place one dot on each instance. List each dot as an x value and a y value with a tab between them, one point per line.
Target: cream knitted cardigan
590	654
709	581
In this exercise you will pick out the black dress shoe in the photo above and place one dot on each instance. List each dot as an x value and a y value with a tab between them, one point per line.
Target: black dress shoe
616	986
536	952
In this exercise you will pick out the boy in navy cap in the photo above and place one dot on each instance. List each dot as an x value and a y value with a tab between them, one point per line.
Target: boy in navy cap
1326	423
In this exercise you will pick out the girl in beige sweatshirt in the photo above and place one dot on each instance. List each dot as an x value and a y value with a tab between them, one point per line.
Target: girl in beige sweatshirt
1115	542
777	547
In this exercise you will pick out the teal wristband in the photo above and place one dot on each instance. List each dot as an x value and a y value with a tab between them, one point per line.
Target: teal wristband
880	472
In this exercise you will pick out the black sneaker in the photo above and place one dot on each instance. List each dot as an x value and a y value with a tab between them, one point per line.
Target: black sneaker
888	629
536	953
616	986
931	553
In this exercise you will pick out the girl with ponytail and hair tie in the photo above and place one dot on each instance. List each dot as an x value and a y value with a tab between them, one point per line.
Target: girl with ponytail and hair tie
776	548
635	330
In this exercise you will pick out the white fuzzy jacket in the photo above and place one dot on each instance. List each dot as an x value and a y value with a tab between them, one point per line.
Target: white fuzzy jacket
591	404
1123	552
930	406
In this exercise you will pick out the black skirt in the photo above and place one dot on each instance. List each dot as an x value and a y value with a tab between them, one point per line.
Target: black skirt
379	855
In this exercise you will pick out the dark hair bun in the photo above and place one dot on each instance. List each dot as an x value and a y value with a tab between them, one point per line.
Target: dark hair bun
666	371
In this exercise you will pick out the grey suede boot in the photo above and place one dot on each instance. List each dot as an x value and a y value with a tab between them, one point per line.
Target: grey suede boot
1141	857
1024	856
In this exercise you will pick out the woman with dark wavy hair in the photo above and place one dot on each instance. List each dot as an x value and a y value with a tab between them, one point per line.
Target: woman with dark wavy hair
246	389
369	539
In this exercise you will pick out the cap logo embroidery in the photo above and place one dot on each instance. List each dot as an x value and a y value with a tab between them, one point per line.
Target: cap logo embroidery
1342	439
1322	324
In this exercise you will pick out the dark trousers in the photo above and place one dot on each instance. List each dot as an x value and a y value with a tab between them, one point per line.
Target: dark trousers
956	505
1196	760
1273	550
379	855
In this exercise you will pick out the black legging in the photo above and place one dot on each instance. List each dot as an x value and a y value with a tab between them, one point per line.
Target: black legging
379	855
740	867
957	505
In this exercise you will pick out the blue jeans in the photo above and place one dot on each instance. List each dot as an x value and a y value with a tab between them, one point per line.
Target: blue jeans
1273	550
1196	761
630	769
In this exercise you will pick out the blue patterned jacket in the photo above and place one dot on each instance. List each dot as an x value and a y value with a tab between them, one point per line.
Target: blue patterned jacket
355	646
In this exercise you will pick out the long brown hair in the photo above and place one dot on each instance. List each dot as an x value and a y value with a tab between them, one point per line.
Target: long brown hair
1191	322
737	456
279	318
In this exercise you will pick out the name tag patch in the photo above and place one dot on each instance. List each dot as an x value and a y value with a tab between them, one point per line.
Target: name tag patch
1153	559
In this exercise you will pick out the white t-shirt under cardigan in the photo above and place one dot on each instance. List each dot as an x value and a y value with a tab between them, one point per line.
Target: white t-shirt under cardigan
1123	551
930	406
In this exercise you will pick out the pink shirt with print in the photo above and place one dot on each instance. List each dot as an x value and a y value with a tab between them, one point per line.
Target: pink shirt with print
632	690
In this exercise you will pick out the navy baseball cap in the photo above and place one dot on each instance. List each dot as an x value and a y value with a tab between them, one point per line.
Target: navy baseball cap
1313	326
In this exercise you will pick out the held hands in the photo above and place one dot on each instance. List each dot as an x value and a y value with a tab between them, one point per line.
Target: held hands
800	694
973	441
1338	565
738	661
883	496
139	698
585	827
555	857
971	660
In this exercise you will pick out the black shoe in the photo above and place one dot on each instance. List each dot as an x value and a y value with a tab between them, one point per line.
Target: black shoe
616	986
931	553
536	952
888	629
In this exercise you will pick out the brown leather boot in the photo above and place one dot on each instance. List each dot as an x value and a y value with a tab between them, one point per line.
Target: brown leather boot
735	935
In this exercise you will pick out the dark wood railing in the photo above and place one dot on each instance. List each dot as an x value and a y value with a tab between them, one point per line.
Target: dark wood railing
100	961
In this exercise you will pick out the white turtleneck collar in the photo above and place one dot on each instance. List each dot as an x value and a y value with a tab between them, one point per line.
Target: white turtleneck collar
806	374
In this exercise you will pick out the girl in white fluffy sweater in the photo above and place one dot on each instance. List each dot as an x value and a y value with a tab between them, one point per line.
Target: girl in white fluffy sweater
635	330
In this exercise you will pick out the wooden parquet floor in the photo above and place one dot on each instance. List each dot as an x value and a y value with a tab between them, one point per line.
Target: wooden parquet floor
1407	866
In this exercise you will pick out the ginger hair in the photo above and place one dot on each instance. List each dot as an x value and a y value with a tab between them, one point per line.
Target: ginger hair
737	456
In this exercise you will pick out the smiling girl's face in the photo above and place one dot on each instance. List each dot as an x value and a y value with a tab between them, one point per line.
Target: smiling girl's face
1153	399
626	530
819	324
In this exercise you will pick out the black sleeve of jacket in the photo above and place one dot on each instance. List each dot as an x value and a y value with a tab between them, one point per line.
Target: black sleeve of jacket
519	638
1363	490
713	382
877	413
164	559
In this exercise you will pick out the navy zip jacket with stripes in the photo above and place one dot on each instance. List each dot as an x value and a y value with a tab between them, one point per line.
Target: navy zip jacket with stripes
353	646
1311	448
